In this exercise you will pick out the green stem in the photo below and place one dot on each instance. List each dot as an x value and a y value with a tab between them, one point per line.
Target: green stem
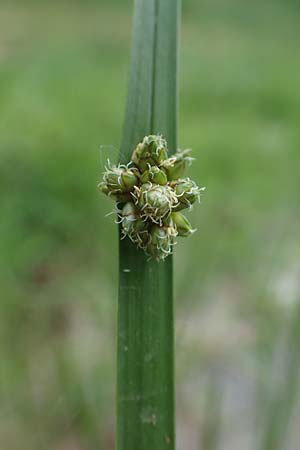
145	385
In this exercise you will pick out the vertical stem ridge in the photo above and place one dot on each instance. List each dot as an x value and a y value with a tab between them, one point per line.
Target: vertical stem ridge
154	64
145	384
137	123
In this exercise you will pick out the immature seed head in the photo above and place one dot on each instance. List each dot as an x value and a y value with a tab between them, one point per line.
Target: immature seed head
183	226
133	225
119	180
187	193
129	216
150	194
177	164
155	175
155	201
117	196
151	151
161	241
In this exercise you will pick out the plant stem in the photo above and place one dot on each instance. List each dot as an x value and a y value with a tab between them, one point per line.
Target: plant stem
145	384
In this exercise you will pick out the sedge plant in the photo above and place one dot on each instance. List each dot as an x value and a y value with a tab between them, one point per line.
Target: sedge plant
150	191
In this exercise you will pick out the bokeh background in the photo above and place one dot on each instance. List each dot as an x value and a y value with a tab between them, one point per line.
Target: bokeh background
63	76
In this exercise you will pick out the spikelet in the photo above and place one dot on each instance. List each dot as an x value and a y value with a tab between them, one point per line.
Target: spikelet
151	194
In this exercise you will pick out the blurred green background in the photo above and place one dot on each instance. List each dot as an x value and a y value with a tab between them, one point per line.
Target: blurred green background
63	76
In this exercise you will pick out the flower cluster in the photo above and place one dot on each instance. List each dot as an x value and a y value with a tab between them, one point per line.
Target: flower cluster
151	194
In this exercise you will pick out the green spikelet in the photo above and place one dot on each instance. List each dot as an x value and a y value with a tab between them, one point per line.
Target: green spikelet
150	196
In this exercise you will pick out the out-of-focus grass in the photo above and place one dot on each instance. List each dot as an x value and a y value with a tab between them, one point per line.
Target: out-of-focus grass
62	88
